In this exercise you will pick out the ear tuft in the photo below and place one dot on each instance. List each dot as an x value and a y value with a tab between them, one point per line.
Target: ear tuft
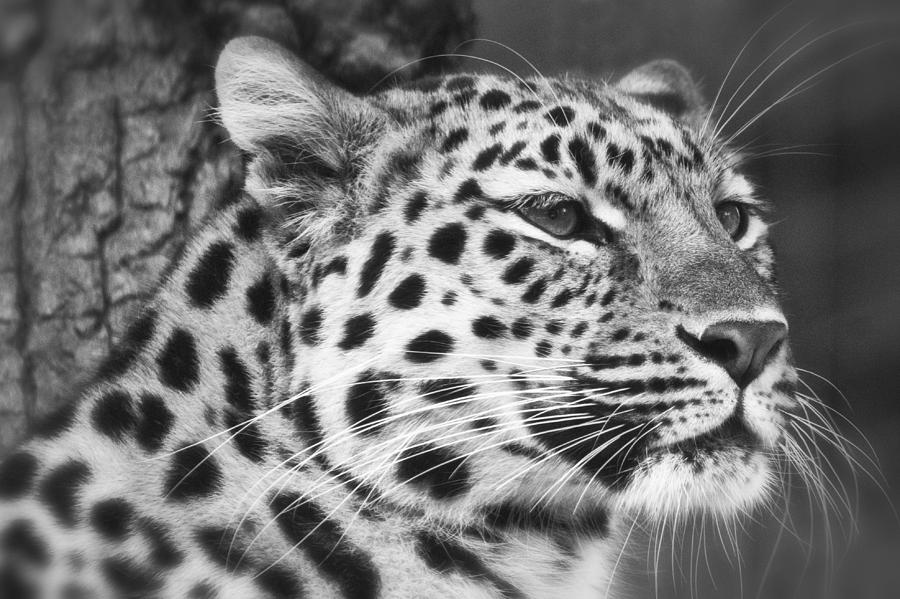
667	86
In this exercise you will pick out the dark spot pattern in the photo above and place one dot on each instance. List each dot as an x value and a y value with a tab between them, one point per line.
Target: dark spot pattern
280	582
553	327
438	108
488	327
238	389
307	424
526	106
608	297
193	473
59	490
20	541
562	298
448	242
561	116
442	473
336	266
543	348
17	474
248	224
487	157
219	545
454	139
429	346
408	293
129	578
522	328
382	249
357	330
179	366
620	334
475	212
517	271
498	244
311	325
591	522
446	556
162	550
623	159
414	207
14	583
155	421
550	148
535	291
261	300
112	518
246	435
495	99
512	153
307	526
585	160
468	190
367	401
460	83
113	414
208	281
596	130
136	337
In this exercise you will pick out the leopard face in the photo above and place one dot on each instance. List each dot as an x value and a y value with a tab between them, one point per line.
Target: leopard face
550	292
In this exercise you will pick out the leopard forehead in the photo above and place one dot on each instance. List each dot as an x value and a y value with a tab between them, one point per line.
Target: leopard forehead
573	132
470	146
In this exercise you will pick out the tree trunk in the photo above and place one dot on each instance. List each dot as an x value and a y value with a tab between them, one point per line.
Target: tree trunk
109	155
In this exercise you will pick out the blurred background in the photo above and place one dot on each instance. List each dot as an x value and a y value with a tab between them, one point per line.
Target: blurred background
108	159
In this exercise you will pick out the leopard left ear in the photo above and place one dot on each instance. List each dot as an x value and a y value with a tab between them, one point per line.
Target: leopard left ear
271	102
667	86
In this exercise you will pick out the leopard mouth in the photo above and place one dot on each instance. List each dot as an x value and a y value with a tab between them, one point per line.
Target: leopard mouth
732	433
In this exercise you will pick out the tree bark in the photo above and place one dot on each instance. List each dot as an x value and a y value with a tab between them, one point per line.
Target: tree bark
109	155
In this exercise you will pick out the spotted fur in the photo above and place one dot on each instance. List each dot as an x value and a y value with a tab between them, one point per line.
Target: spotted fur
374	378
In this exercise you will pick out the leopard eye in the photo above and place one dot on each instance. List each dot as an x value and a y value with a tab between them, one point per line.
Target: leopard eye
561	219
733	217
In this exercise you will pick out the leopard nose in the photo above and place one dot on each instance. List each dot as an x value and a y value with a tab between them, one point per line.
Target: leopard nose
742	348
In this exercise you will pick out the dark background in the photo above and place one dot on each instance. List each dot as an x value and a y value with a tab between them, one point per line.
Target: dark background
836	231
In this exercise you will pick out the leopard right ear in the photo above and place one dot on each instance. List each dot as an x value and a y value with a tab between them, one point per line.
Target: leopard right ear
273	103
667	86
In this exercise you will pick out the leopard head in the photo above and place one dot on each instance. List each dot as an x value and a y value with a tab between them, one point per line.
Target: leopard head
553	293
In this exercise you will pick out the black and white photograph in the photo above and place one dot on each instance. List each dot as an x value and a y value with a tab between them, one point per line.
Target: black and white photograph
449	299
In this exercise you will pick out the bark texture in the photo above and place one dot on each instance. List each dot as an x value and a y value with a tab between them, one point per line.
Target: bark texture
109	157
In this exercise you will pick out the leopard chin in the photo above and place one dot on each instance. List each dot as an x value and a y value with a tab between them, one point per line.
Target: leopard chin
722	472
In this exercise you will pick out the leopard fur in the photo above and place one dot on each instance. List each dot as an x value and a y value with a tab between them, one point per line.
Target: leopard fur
373	377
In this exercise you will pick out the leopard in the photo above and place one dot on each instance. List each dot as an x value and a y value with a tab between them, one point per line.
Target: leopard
449	338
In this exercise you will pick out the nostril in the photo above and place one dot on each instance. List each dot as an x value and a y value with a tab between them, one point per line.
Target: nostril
717	350
742	348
